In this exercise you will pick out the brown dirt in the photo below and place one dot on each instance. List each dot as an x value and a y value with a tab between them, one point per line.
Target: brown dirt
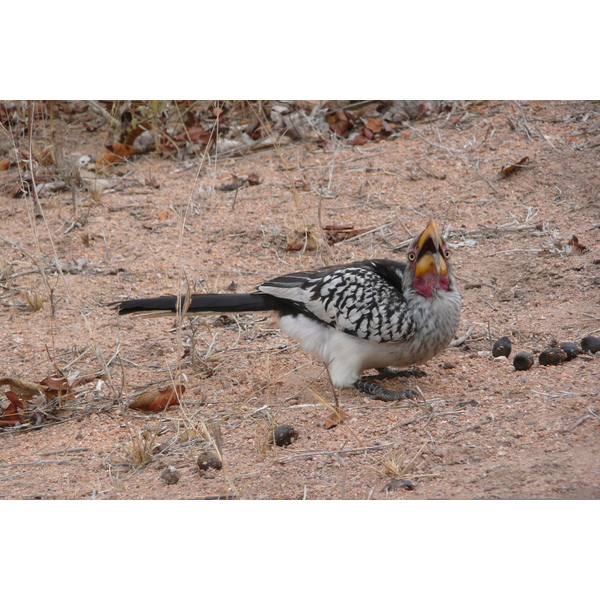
481	430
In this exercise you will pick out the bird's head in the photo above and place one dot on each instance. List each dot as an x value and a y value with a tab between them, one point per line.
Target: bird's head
428	257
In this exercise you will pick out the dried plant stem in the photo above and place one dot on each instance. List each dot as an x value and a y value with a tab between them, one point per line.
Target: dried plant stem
182	309
360	450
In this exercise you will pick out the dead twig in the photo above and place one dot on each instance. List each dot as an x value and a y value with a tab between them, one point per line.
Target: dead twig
67	451
591	413
463	338
428	416
40	463
369	232
452	152
337	452
474	427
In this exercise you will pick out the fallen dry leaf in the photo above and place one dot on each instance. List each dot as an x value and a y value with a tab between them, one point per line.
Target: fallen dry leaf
10	416
235	184
577	245
194	133
374	125
115	153
38	395
254	129
359	140
339	233
16	401
122	150
46	156
512	167
4	164
253	179
334	418
23	388
457	118
300	240
55	383
340	122
155	401
422	112
368	133
85	379
57	386
134	133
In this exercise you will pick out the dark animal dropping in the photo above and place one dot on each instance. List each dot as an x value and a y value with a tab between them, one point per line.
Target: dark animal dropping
398	484
502	347
590	344
523	361
208	460
170	475
284	435
552	356
570	349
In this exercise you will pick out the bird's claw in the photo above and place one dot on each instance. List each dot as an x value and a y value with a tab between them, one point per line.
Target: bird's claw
389	373
369	387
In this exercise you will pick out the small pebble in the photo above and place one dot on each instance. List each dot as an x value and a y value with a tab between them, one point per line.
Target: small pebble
590	344
170	475
502	347
552	356
523	361
209	460
160	448
284	435
467	403
570	349
398	484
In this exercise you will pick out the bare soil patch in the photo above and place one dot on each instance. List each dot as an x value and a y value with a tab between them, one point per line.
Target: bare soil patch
526	249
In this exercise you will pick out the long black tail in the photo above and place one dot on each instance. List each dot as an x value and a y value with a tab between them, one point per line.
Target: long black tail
215	303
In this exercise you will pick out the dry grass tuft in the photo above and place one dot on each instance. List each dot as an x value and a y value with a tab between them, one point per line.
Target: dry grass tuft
397	463
35	300
188	430
6	269
138	452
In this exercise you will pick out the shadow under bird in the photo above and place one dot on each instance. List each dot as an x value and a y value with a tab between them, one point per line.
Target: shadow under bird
371	314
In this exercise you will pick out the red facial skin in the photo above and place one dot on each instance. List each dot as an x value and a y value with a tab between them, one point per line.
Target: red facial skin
431	280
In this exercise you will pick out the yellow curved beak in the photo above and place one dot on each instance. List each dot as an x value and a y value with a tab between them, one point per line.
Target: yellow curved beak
430	244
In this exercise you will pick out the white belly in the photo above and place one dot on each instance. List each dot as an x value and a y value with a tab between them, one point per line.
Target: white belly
348	356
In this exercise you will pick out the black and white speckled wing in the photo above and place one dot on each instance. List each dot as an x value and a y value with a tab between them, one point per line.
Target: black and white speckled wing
364	299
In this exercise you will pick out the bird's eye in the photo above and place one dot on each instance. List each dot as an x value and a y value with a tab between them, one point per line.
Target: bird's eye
411	256
447	253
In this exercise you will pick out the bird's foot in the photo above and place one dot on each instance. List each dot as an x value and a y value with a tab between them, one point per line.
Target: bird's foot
389	373
369	387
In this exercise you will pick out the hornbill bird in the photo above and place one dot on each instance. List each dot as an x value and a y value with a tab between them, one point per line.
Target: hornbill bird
371	314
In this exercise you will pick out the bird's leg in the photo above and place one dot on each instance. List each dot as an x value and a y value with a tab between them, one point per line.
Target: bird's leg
389	373
368	386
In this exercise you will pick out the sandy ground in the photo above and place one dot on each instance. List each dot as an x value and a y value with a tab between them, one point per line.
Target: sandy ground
480	430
